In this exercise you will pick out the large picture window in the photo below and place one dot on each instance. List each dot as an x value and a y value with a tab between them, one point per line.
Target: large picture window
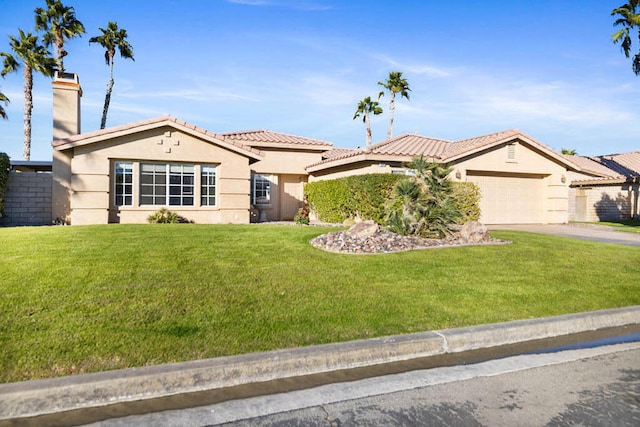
123	184
208	185
162	184
261	190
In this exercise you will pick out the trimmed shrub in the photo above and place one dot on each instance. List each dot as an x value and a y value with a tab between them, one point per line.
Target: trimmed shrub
466	196
5	166
357	196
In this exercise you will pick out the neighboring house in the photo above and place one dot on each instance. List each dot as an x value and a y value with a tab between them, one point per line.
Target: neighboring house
521	179
611	189
124	173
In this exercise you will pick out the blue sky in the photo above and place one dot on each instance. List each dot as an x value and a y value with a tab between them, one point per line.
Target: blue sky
547	67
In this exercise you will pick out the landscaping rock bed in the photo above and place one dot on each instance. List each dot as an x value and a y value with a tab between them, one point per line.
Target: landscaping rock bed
370	239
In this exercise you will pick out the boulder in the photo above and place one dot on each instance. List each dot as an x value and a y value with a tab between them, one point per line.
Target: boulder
364	229
474	232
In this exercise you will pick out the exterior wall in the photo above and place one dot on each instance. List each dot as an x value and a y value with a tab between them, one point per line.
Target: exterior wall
289	161
92	181
525	161
28	199
606	202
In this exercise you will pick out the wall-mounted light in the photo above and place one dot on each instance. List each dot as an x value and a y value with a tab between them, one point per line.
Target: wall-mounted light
458	175
563	179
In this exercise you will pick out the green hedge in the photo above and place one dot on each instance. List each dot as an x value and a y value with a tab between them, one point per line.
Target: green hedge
354	196
365	196
5	165
467	200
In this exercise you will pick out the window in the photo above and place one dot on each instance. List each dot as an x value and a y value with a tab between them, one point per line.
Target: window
123	184
261	189
162	184
208	186
409	172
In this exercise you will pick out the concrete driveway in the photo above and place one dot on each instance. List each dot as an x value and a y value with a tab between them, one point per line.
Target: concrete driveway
593	232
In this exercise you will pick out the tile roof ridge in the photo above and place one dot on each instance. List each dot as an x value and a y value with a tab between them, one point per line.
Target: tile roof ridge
511	131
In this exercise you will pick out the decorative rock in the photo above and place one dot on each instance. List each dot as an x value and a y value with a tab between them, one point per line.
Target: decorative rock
474	232
364	229
383	241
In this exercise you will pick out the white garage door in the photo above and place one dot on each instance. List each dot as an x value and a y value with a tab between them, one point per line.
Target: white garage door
510	199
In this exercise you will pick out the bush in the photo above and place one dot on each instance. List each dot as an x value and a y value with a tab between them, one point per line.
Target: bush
5	166
423	205
466	196
302	217
165	216
358	196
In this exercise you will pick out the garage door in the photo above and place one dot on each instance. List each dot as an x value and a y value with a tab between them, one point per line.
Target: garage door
510	199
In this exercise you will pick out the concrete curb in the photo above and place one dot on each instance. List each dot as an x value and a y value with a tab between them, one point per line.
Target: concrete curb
41	397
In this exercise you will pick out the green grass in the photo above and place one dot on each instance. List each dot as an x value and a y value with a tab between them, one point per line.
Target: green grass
629	226
84	299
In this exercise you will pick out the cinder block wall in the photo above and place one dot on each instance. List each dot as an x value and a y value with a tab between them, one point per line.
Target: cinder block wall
28	199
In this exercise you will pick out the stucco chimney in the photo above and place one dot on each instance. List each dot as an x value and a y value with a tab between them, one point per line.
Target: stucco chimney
66	105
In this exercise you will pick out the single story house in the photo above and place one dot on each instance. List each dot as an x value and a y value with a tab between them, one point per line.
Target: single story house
124	173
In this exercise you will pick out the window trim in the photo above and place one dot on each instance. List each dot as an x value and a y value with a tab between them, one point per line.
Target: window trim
205	174
168	184
128	172
265	178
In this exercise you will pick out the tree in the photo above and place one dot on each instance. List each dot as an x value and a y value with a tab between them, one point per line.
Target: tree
394	84
112	38
59	23
367	107
424	204
630	21
34	57
569	152
3	100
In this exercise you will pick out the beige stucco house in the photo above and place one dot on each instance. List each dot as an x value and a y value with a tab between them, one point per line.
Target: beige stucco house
122	174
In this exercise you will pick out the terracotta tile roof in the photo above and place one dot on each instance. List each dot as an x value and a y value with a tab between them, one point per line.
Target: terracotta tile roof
590	166
625	164
267	136
103	134
337	152
407	145
471	144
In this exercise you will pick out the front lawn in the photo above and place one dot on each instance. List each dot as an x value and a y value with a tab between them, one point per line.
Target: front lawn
83	299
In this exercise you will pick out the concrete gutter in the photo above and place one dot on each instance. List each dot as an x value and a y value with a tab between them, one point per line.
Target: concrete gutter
49	396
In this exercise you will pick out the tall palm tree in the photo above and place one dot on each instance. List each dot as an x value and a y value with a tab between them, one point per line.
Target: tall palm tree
34	57
59	23
629	20
3	100
112	38
367	107
394	84
568	152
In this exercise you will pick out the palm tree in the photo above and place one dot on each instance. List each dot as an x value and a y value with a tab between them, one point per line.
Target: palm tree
3	100
367	107
112	38
34	57
394	84
59	23
629	20
568	152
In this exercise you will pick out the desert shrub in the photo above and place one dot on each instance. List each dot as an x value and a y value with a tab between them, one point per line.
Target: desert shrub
357	196
165	216
423	205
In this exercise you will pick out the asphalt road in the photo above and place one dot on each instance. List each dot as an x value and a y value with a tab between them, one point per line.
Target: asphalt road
598	387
